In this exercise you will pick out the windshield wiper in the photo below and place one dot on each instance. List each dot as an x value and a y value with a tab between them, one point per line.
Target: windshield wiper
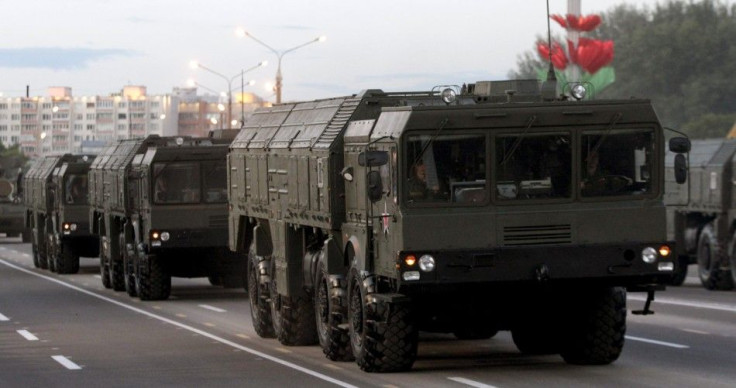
519	139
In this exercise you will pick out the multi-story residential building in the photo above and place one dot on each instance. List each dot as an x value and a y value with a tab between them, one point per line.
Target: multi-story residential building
60	122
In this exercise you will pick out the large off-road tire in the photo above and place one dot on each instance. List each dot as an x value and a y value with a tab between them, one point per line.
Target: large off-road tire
104	268
34	250
711	260
292	316
42	251
383	335
67	262
153	282
128	269
330	306
51	254
258	294
595	328
117	273
681	264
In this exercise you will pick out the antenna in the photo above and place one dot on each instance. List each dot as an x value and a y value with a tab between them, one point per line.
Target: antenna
549	87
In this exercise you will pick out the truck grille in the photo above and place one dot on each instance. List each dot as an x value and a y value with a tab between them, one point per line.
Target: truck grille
218	221
537	235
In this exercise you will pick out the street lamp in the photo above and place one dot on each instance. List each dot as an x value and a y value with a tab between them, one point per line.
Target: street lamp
241	33
197	65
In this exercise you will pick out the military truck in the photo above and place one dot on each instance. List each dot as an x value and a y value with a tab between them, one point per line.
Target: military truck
159	206
57	211
12	212
702	215
465	210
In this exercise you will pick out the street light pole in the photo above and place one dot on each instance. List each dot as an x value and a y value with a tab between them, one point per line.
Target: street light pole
279	55
195	65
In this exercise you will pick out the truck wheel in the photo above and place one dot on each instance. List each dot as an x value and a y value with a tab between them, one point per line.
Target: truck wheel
117	273
383	335
710	257
104	268
154	283
292	316
260	308
128	268
330	313
595	328
680	273
42	252
67	262
34	249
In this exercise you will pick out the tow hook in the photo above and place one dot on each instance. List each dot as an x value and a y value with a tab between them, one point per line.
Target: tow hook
646	310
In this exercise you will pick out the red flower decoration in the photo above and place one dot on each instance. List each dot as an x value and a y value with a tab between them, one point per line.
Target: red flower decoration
558	57
581	23
591	54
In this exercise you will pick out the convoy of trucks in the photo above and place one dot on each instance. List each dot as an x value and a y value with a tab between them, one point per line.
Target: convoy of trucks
355	222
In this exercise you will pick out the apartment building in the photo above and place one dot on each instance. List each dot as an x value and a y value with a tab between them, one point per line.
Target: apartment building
60	122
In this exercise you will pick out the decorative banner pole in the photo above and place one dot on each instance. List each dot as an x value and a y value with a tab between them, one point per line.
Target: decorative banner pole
573	35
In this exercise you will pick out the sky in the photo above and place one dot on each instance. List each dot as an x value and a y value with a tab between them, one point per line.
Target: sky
98	46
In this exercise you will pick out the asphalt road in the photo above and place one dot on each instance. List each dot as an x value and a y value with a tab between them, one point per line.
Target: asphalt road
69	331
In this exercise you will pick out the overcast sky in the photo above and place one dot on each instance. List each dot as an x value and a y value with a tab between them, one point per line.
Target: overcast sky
98	46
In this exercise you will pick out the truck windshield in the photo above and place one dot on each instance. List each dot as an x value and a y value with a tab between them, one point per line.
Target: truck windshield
616	164
533	166
449	169
215	182
176	182
75	189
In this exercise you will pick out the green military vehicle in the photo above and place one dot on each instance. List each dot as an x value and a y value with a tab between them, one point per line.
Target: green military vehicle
12	212
159	205
461	210
702	215
55	196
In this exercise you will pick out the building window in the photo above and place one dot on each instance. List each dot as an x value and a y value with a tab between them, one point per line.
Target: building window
90	105
90	127
46	105
122	116
90	116
15	116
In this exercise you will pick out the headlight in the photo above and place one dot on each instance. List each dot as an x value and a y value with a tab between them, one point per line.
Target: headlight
165	236
73	227
449	96
649	255
578	92
426	263
155	235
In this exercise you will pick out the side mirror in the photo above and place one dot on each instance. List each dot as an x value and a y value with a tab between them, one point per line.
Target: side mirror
680	169
373	158
680	145
375	186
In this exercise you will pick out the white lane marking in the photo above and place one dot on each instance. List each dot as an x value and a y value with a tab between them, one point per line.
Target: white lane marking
212	308
187	327
655	342
67	363
696	331
3	318
686	303
27	335
469	382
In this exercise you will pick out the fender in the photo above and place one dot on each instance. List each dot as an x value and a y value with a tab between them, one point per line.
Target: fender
358	261
262	240
333	256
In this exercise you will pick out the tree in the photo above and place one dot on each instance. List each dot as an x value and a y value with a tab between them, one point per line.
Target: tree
680	55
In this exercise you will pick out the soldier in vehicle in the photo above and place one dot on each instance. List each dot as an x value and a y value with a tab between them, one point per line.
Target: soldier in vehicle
598	182
419	188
